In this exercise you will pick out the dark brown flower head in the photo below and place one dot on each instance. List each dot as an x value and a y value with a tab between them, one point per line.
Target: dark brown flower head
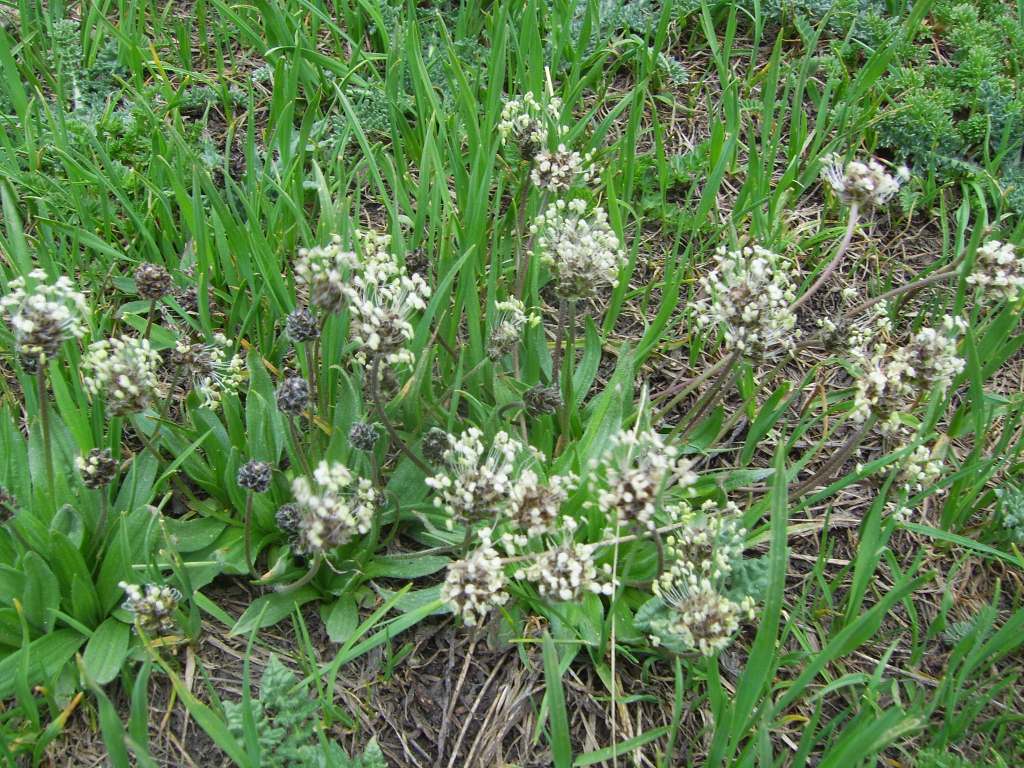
30	363
293	395
541	400
417	262
301	325
188	298
363	436
435	443
207	369
255	476
529	144
8	505
152	281
97	468
287	518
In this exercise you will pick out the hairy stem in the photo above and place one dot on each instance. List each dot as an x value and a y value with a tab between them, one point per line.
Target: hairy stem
932	279
308	576
837	259
720	370
149	319
383	416
686	386
446	395
101	524
711	397
311	353
300	451
523	262
825	471
660	546
248	531
44	424
467	540
508	408
556	358
570	358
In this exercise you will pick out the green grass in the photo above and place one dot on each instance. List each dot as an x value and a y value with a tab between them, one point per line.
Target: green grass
218	139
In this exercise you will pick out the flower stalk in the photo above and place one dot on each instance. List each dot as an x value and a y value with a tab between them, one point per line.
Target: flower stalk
837	259
44	423
378	406
722	371
308	576
247	528
826	470
567	367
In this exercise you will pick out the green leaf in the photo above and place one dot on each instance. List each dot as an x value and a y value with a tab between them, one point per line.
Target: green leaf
45	658
763	660
270	609
195	534
68	522
558	718
41	598
340	618
110	724
414	600
403	567
706	433
11	76
606	416
106	650
622	749
85	604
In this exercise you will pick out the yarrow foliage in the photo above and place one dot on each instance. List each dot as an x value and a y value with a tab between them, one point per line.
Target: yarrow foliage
1010	512
749	294
44	315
